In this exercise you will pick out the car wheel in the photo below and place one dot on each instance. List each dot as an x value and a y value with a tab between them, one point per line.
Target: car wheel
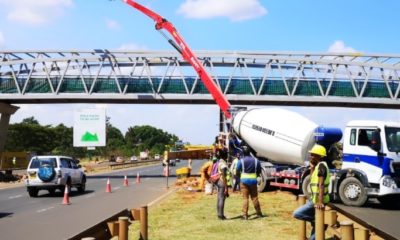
82	187
352	192
33	192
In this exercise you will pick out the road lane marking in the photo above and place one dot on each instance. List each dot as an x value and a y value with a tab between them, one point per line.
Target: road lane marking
116	188
14	197
44	209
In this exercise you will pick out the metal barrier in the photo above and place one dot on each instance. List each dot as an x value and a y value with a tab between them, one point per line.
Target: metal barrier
117	225
131	164
339	225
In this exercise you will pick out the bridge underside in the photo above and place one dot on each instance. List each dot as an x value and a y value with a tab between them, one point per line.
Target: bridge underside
295	79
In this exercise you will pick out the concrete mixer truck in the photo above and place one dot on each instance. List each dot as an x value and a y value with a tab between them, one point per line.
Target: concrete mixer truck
370	162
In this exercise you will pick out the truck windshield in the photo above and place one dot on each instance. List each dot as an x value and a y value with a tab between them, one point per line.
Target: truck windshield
393	139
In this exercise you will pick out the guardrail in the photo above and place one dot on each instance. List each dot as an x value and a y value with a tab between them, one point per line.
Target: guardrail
113	166
340	224
117	225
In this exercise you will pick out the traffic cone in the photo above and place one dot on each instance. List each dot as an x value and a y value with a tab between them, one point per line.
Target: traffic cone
66	196
138	178
108	187
126	181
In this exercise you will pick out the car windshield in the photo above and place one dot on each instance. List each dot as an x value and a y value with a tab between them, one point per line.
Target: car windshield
393	139
39	162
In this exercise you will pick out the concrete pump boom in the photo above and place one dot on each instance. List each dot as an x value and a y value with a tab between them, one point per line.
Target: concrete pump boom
180	45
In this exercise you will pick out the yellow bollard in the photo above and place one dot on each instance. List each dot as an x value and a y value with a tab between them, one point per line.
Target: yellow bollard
361	234
346	227
302	224
331	218
319	224
123	228
143	223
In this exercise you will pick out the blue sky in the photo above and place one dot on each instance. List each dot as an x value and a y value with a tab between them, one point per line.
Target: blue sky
307	26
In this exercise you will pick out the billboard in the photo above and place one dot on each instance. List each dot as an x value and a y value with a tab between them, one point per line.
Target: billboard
90	128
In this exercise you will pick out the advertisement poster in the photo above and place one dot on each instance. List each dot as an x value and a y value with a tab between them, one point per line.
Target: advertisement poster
90	128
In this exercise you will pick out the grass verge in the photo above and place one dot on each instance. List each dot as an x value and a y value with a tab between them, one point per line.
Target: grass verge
192	215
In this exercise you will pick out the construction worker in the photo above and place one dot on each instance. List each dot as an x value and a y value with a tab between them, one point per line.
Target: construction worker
319	183
222	183
205	173
249	169
236	177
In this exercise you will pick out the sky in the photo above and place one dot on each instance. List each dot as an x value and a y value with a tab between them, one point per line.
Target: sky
231	25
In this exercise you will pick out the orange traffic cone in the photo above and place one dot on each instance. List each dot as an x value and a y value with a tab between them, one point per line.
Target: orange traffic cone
126	181
138	178
66	196
108	187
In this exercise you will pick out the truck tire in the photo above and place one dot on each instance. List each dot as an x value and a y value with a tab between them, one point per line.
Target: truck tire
33	192
352	192
261	181
305	186
46	173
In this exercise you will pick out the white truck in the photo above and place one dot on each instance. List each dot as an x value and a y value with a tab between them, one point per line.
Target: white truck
370	163
144	155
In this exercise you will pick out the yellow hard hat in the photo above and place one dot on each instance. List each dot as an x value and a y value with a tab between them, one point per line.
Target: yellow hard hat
319	150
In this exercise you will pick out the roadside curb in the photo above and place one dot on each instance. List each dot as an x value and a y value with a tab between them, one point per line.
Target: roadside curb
160	198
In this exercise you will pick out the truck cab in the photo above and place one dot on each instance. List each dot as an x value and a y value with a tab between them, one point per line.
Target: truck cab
371	150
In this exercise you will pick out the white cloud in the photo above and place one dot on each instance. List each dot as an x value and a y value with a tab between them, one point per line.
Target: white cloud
2	40
339	47
34	12
112	24
235	10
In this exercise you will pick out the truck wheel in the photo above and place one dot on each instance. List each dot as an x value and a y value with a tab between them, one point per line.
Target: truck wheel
261	181
33	192
305	186
352	192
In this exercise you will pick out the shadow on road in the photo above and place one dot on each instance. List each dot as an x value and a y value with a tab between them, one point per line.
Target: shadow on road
59	194
5	214
130	176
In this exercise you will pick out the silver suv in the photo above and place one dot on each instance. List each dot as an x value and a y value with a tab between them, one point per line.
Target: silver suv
54	172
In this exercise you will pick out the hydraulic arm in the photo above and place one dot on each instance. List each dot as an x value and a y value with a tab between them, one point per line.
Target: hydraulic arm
179	44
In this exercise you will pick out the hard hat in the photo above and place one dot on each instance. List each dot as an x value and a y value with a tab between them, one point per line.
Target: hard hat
319	150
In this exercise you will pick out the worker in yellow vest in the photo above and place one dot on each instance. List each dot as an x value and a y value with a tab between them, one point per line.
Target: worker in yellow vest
320	178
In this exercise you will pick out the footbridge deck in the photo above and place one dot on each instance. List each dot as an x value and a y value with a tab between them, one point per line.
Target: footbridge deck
258	78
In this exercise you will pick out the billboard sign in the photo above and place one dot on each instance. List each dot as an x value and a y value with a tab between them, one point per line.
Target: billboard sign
90	128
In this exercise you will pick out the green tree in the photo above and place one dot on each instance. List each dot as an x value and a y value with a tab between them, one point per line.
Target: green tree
146	137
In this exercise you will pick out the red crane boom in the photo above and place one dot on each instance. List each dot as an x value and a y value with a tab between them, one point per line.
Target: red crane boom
180	45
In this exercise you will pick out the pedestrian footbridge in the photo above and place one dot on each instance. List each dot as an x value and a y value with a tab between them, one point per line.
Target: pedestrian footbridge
251	78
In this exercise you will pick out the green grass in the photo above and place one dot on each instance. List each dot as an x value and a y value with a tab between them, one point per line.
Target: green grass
193	215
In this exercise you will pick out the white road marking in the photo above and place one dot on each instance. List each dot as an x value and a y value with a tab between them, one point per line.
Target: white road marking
16	196
44	209
116	188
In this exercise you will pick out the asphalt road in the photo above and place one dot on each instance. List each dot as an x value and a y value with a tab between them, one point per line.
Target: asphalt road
44	217
384	219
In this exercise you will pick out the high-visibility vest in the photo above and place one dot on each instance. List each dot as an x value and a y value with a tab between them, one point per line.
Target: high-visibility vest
314	184
245	175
